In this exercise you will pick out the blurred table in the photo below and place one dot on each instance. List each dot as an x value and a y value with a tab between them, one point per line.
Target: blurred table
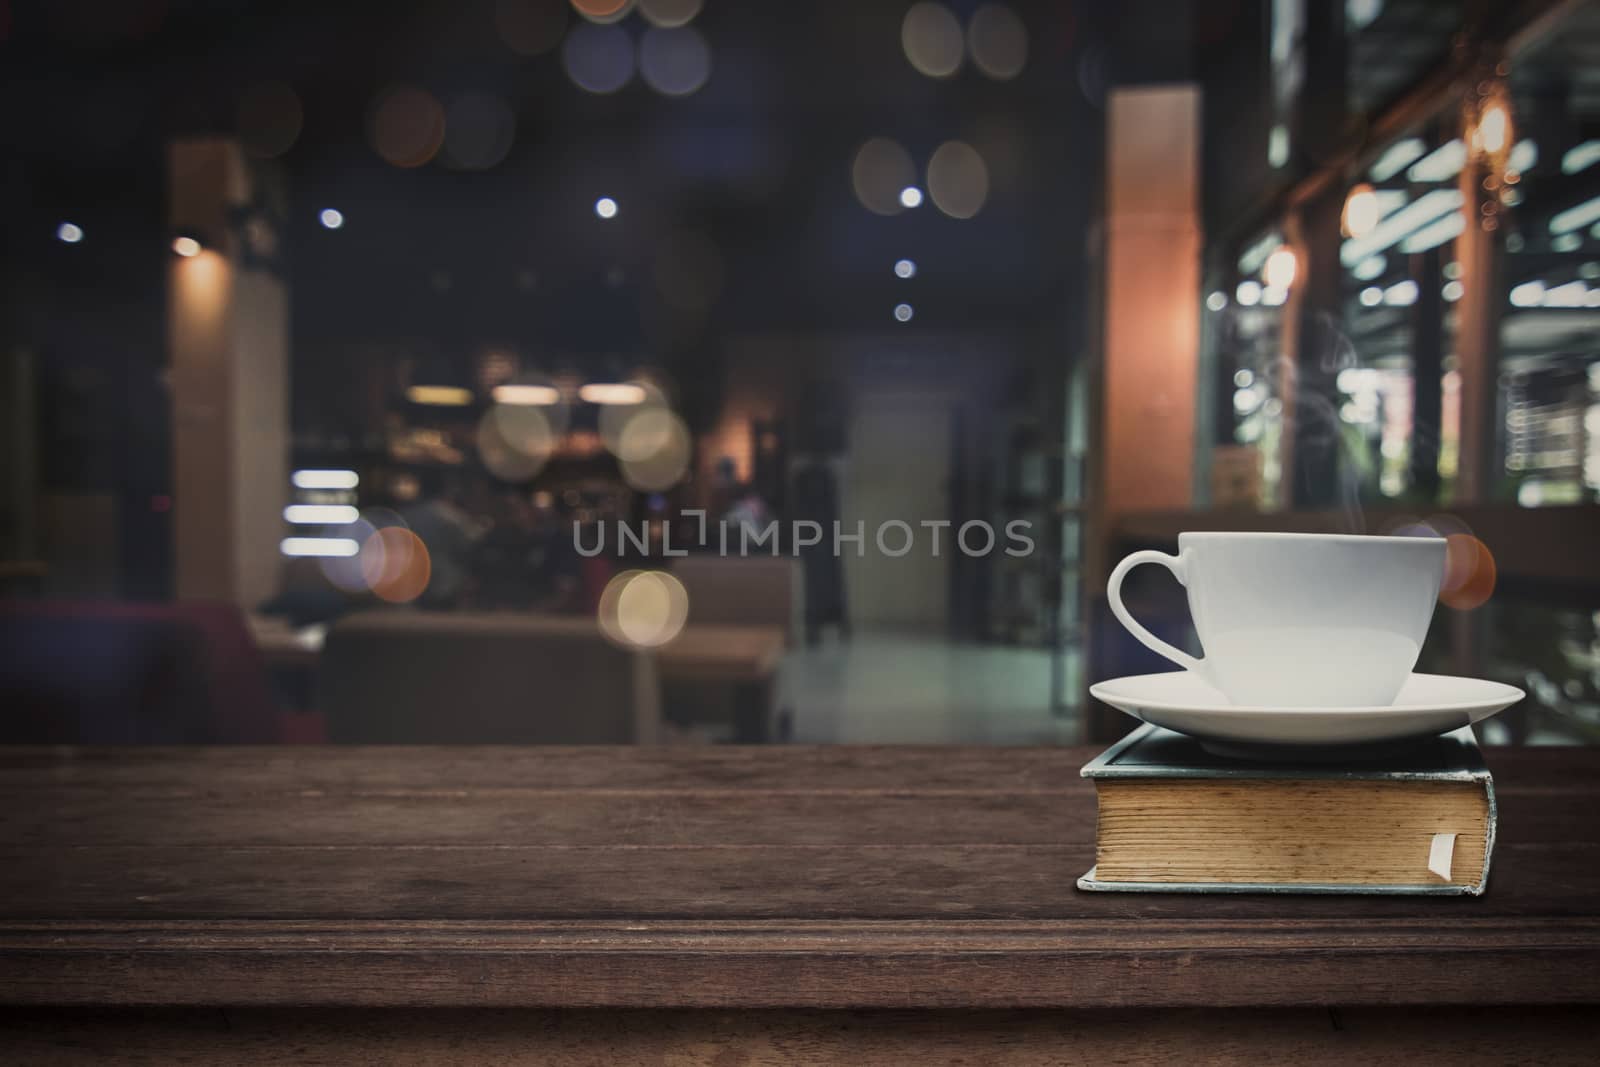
408	890
743	657
285	646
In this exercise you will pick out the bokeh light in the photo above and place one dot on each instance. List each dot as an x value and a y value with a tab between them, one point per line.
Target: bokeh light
674	62
603	11
1280	269
669	13
269	119
620	402
479	131
605	207
395	564
881	170
903	312
910	197
643	609
530	27
331	218
644	434
905	268
345	572
1469	572
998	42
654	449
406	126
598	59
69	232
187	247
1362	209
515	441
958	181
931	37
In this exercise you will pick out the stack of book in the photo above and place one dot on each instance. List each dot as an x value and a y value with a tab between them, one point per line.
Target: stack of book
1175	817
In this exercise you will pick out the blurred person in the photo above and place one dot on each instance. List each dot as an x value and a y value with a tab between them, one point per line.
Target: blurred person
816	499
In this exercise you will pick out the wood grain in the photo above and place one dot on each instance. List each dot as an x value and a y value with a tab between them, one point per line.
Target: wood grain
1304	1036
728	877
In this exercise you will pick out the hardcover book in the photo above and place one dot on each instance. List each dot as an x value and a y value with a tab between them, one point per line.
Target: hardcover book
1174	817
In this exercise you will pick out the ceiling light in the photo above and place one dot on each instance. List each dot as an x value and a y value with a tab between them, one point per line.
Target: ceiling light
526	395
444	396
612	393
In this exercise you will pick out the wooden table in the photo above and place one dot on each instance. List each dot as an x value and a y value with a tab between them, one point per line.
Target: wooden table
411	890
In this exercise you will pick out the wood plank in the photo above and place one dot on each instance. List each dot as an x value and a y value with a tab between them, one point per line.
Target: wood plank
523	817
842	877
803	768
808	964
1308	1036
675	881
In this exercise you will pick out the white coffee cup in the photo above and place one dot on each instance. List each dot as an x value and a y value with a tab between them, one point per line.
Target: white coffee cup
1299	620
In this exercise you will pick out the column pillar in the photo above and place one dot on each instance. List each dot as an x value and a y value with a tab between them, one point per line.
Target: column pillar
227	338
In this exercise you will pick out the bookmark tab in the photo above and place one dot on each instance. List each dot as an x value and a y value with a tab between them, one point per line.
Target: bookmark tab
1441	853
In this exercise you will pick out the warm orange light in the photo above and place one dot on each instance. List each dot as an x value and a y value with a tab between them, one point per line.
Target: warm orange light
446	396
1281	268
1362	210
602	10
395	564
406	127
1469	573
1494	129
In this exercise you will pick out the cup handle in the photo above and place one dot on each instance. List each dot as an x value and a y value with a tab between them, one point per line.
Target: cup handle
1175	564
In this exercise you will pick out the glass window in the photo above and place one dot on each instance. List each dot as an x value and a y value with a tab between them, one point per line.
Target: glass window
1549	410
1390	45
1248	334
1399	287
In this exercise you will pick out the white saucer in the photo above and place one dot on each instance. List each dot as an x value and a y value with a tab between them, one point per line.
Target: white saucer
1428	704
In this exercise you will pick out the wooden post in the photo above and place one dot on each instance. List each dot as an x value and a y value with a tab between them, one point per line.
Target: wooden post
1151	243
227	333
1152	299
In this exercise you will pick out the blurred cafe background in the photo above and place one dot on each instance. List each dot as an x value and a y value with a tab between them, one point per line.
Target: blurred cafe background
331	333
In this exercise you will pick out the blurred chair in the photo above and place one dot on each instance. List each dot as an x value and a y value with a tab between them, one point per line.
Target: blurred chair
755	590
426	678
106	672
